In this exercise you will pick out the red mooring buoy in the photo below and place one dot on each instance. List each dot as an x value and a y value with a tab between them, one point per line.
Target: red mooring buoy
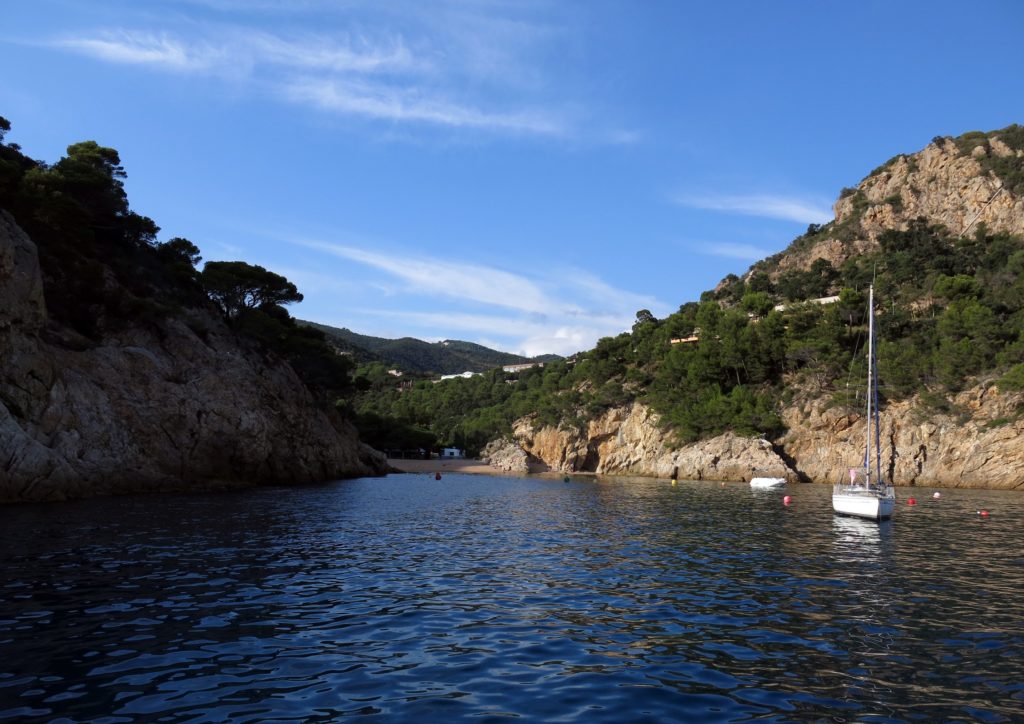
787	500
911	501
983	513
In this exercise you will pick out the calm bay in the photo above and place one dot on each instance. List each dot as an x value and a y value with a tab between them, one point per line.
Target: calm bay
475	597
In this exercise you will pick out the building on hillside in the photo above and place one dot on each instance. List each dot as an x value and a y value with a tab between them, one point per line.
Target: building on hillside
452	452
819	300
521	367
466	375
395	373
694	337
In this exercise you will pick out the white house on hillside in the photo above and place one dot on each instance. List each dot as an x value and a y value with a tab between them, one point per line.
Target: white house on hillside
467	374
819	300
521	367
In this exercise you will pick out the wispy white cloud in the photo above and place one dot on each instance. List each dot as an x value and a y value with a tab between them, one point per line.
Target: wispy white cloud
223	52
560	313
453	280
142	48
746	252
426	77
608	296
402	104
517	335
788	208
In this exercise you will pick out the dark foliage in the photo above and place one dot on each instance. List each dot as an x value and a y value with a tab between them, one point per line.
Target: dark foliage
104	269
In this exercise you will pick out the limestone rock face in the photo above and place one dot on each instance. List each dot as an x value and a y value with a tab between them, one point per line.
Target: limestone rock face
507	456
820	445
917	449
942	185
173	405
627	441
938	183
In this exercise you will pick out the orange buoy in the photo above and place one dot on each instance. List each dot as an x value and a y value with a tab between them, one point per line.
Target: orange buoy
983	513
787	500
911	501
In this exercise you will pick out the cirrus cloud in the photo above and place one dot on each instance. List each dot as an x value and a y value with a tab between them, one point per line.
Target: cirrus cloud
788	208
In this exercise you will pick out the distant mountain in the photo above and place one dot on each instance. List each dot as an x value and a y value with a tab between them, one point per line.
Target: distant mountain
415	355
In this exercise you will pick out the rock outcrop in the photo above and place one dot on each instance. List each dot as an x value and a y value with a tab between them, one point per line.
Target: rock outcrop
979	446
942	184
175	404
981	451
505	455
628	441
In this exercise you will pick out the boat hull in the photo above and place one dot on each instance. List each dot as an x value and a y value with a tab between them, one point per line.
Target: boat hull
863	504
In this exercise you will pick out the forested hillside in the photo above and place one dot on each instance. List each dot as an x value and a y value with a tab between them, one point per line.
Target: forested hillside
950	306
413	355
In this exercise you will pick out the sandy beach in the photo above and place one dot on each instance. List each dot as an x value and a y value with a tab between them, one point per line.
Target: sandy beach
436	465
457	465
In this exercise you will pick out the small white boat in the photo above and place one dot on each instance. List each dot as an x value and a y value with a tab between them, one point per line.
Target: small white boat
767	482
867	494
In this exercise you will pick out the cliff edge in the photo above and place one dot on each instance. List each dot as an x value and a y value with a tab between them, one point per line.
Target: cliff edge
177	403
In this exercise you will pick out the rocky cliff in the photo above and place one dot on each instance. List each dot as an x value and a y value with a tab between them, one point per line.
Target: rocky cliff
174	404
945	183
628	441
972	446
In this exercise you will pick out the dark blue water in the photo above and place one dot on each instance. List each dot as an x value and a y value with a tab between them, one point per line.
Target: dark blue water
410	599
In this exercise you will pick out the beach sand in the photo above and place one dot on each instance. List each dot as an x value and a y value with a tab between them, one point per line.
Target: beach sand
442	466
459	465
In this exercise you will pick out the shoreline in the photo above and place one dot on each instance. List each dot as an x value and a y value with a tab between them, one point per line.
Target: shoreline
464	465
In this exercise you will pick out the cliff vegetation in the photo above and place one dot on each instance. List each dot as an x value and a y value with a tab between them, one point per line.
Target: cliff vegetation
939	232
125	367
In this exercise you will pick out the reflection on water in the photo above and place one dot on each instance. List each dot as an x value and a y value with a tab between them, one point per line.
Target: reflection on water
610	600
856	535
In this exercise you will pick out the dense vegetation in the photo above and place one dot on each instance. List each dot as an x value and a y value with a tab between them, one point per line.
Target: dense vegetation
1009	169
104	268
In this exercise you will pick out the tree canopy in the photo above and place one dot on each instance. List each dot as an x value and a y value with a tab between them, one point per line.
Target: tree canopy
237	286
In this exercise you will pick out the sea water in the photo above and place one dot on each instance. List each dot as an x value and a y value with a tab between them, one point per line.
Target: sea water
481	598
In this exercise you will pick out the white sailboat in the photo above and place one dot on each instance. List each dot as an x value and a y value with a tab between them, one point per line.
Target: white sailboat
867	494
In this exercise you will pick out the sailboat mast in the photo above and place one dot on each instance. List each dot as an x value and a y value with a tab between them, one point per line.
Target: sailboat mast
871	360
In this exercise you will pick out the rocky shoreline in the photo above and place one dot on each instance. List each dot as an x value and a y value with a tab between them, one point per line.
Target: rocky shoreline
938	451
174	403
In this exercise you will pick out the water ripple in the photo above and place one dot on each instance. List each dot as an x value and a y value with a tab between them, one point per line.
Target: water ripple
407	599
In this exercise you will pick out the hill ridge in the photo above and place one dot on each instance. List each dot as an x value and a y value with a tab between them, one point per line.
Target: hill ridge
449	356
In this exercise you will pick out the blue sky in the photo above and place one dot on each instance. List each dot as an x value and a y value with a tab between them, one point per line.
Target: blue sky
525	175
